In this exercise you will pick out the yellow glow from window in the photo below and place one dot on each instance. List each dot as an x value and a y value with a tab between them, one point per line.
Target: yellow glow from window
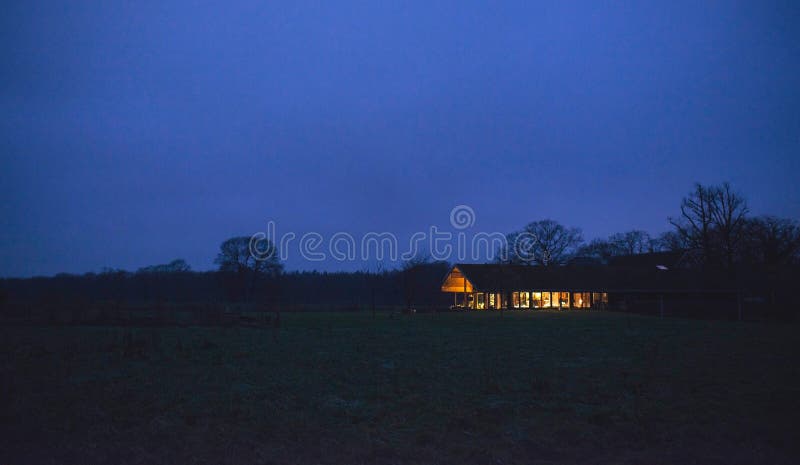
524	301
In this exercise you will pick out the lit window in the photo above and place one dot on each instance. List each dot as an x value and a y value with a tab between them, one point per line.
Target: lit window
523	300
562	299
536	299
581	300
599	299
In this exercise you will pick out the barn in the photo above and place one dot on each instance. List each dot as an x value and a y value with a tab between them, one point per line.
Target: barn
620	283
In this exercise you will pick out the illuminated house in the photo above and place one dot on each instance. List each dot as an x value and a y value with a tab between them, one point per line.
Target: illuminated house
623	283
497	286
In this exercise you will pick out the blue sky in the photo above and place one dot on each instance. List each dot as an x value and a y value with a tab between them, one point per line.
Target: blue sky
137	132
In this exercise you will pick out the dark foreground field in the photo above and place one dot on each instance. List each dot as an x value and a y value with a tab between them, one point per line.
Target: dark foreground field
439	388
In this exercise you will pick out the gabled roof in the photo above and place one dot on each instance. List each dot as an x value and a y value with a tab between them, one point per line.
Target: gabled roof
499	277
456	282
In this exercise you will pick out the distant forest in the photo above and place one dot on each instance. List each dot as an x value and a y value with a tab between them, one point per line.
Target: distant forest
298	289
713	229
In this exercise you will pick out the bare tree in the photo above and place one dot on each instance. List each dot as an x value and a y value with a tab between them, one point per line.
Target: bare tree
243	261
654	244
729	213
772	241
599	248
544	242
694	226
668	241
628	243
632	242
712	222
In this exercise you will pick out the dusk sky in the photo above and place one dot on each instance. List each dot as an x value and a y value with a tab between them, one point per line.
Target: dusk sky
133	133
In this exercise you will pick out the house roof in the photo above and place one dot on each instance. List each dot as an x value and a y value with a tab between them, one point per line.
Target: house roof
650	259
651	278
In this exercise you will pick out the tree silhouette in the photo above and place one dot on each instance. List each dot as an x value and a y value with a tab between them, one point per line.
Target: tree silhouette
772	241
545	242
175	266
712	223
243	261
631	242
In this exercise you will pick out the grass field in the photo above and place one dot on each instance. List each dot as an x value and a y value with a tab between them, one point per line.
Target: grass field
427	388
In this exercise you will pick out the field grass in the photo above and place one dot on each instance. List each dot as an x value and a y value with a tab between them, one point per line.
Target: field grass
572	387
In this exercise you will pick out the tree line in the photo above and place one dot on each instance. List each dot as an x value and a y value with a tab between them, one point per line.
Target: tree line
714	228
